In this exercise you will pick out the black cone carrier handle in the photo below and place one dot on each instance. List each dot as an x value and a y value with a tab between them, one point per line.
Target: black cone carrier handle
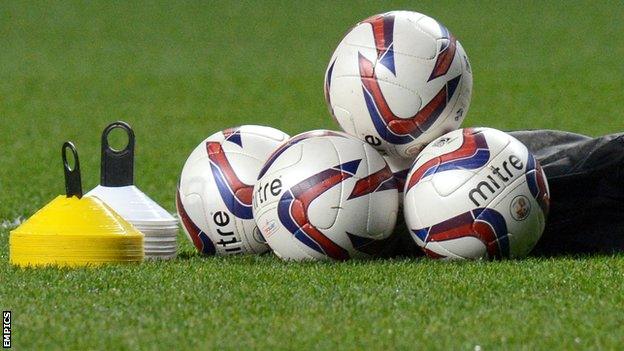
117	165
73	183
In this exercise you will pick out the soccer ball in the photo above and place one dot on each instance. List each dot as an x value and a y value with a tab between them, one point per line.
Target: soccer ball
476	193
325	195
215	189
398	80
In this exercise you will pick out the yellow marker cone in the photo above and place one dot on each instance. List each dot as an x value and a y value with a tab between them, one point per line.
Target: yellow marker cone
74	231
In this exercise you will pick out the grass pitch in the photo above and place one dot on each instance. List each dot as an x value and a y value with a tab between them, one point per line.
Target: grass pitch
178	71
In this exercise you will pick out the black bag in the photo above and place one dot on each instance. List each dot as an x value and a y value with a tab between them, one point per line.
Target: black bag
586	180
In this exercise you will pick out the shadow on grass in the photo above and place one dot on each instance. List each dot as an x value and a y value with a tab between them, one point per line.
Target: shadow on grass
412	256
579	255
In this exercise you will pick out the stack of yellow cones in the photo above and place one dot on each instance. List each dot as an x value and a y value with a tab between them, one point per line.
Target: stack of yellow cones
75	231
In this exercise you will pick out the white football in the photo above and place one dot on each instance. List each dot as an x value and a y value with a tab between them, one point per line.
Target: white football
398	80
325	195
215	189
476	193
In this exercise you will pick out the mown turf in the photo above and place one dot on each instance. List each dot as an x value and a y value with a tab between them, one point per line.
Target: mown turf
261	302
178	71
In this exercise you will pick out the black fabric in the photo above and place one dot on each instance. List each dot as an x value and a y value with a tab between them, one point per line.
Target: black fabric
586	180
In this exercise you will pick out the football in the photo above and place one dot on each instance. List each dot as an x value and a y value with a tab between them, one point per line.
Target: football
476	193
398	80
215	189
325	195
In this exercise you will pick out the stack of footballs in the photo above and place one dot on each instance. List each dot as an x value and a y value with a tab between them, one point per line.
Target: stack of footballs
399	85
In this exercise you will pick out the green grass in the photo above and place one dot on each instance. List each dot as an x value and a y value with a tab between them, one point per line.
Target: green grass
243	302
178	71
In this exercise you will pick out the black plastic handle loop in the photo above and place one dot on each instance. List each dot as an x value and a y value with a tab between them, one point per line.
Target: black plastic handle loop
117	166
73	182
